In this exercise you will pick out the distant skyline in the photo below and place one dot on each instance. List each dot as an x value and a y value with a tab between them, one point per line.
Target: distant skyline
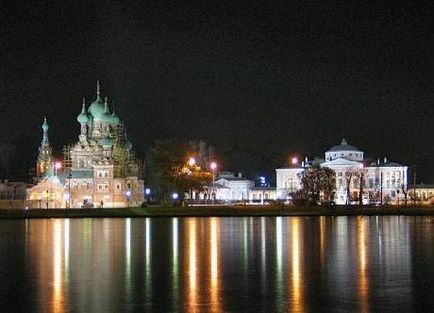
273	78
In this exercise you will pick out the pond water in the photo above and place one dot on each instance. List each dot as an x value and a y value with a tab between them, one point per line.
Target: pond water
239	264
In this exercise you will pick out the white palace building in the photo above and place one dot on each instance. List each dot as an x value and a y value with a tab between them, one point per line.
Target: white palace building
383	181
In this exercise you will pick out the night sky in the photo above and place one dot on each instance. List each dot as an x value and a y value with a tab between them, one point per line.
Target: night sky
267	79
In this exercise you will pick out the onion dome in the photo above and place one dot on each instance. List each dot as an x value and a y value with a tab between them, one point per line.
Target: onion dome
115	119
45	125
106	142
82	118
105	117
97	107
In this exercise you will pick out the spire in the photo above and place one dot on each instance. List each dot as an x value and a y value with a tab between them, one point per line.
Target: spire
344	142
98	90
44	162
113	107
45	128
106	109
83	110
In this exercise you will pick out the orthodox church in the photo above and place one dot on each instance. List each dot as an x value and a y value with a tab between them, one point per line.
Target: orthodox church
99	170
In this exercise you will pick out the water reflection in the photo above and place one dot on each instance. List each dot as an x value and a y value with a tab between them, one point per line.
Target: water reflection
218	264
296	274
214	265
58	290
363	283
192	266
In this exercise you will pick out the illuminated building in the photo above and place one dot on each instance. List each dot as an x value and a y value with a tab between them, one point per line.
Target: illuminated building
100	170
384	182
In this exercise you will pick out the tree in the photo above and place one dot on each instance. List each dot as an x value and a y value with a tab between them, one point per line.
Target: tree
168	168
316	181
352	173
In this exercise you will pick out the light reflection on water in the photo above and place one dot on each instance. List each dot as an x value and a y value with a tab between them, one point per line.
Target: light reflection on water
264	264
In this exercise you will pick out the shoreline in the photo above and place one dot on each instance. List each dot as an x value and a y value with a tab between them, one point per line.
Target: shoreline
215	211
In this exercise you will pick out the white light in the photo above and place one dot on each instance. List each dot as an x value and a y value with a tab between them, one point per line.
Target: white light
57	165
294	160
175	196
147	191
213	165
128	193
192	161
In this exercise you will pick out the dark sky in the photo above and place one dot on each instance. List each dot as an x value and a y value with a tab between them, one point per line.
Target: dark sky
273	77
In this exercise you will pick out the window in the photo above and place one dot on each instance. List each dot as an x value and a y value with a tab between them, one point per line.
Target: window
118	186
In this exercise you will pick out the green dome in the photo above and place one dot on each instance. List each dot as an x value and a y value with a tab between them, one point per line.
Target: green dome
115	119
82	118
105	117
97	107
106	141
128	145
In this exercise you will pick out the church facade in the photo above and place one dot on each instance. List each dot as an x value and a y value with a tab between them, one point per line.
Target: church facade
381	181
99	170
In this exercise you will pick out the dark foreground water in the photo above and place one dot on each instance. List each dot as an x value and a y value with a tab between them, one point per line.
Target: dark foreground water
268	264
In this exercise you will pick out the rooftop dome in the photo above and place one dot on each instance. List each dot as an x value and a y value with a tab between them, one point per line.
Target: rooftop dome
115	118
105	117
97	107
344	146
82	118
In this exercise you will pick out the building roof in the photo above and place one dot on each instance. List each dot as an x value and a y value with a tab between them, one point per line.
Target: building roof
344	146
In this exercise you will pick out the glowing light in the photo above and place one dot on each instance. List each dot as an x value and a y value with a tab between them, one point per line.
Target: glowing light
191	161
192	265
128	193
363	283
214	263
213	165
175	267
175	196
57	267
57	165
148	272
297	293
128	256
294	160
147	191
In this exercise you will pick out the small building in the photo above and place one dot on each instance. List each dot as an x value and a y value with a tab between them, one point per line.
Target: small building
230	188
421	194
262	195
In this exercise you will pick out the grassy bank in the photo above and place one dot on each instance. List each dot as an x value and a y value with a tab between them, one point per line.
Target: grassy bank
215	211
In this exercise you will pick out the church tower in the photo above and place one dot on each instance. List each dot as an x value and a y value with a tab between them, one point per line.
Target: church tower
44	164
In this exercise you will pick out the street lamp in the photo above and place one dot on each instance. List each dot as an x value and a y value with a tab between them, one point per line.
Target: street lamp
191	161
294	161
213	166
57	167
128	194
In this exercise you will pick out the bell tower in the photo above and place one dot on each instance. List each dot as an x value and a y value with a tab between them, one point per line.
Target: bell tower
44	164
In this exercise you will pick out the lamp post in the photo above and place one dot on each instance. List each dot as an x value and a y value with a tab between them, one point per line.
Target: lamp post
128	194
69	189
57	167
213	169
